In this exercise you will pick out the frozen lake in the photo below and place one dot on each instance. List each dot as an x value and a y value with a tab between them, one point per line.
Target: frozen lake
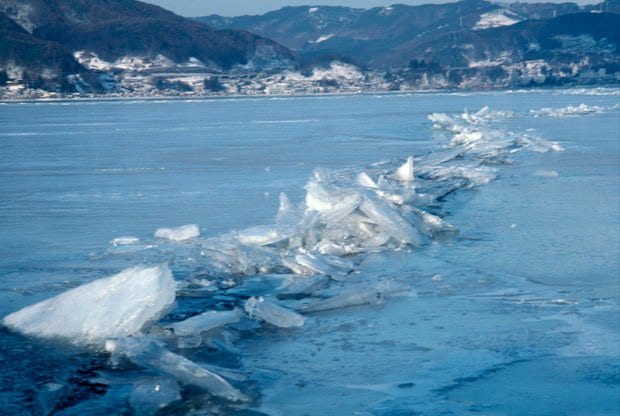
517	313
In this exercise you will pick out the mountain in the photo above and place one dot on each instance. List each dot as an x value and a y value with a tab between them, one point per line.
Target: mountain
391	36
563	40
101	33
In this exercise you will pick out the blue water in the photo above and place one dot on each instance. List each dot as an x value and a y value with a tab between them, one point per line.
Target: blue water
523	318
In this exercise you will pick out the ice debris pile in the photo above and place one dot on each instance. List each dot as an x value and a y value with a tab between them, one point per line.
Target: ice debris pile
310	259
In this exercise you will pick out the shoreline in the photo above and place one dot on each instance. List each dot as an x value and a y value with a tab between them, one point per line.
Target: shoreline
205	97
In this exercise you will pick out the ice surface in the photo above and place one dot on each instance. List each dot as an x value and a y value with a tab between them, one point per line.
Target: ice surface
205	322
184	232
451	337
50	395
148	353
150	395
259	308
115	306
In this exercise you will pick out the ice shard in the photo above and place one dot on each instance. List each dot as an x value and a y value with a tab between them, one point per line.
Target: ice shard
146	352
259	308
205	322
405	172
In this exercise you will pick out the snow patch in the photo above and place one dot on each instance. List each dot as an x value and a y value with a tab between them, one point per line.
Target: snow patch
21	15
323	38
497	18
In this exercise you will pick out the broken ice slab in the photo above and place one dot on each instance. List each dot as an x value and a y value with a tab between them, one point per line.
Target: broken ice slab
318	198
405	172
288	216
366	181
115	306
182	233
148	353
261	235
390	221
323	265
431	225
150	395
379	240
259	308
226	254
373	295
205	322
342	208
303	286
344	300
331	249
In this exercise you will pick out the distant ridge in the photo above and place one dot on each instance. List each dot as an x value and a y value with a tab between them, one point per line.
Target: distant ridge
392	36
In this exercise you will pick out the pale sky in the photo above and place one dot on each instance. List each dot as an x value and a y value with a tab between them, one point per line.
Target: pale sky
192	8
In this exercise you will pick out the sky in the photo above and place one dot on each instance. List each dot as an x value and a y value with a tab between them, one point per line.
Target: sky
192	8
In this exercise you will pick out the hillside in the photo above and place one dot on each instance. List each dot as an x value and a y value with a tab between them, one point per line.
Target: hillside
122	34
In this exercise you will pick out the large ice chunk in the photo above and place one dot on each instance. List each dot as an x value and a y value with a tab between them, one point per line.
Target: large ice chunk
115	306
259	308
147	353
205	322
184	232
